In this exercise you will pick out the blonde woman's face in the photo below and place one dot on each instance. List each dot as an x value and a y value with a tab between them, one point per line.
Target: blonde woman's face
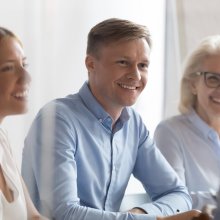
208	99
14	79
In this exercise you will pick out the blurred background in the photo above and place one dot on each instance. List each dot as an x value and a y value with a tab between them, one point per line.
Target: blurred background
54	34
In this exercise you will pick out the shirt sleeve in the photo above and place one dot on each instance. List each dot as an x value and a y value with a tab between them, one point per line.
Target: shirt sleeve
55	172
168	193
169	142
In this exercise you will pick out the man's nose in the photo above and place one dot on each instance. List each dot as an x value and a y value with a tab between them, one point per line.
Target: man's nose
134	74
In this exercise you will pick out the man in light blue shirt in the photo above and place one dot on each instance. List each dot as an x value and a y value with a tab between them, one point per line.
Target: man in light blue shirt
82	149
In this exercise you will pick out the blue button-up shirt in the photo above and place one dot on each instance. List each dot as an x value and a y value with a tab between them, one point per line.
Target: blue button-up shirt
77	167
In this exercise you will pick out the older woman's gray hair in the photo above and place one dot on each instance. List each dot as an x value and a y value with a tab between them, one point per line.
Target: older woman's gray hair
209	46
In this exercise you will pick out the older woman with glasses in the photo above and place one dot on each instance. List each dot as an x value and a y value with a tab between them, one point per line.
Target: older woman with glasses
190	141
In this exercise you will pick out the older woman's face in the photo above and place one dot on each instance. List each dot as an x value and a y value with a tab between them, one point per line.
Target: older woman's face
14	79
208	99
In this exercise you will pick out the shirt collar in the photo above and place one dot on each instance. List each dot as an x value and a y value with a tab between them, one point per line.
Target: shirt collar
202	126
97	110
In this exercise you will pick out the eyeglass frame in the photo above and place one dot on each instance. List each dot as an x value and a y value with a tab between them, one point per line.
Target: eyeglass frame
204	73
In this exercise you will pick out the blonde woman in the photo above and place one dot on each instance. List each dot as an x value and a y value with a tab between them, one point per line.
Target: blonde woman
15	202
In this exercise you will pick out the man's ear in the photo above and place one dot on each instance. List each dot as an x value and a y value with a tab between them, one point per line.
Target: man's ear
90	63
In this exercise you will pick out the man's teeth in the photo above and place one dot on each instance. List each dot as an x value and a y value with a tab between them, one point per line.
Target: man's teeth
127	87
23	94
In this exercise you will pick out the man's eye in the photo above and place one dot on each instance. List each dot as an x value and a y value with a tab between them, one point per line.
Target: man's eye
123	62
143	65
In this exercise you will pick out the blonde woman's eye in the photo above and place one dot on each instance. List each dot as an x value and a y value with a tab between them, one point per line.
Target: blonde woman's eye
25	65
7	68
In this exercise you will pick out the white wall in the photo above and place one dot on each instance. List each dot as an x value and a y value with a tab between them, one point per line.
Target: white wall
54	34
197	19
187	23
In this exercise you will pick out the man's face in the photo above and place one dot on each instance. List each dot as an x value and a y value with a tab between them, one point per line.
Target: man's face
119	73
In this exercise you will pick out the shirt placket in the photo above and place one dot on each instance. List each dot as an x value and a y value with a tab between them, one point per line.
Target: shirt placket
112	182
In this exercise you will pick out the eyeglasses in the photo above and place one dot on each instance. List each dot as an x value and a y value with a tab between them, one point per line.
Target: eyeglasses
212	80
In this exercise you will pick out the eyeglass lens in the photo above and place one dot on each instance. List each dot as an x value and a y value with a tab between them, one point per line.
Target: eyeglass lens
212	80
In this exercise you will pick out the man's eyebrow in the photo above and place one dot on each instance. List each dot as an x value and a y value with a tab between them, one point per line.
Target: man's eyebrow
145	60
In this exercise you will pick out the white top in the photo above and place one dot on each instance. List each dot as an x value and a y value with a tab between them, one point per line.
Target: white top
193	150
16	209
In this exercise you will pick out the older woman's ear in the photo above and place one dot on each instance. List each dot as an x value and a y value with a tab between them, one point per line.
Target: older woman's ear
193	86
